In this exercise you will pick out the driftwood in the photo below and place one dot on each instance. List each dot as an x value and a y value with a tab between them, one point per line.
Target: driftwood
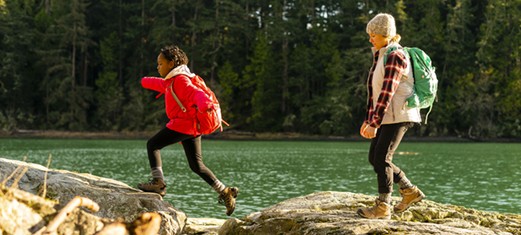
147	224
116	228
62	215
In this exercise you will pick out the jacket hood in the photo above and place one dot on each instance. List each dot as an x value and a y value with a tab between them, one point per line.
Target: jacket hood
181	69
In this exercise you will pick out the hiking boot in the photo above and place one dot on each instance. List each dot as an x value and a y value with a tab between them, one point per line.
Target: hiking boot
227	198
409	196
380	210
155	185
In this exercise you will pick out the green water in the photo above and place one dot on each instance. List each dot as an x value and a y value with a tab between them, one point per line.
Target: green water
483	176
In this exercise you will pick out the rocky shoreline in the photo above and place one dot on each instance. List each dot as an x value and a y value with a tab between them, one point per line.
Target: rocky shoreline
32	197
232	135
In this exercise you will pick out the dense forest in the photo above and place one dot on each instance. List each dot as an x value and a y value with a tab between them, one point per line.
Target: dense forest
276	65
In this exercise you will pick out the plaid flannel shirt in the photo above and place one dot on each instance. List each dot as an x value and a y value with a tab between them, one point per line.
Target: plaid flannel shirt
394	70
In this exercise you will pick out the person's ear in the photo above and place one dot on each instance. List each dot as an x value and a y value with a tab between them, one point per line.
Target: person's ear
171	64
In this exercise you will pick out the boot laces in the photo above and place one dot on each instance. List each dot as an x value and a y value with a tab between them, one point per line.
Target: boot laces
226	198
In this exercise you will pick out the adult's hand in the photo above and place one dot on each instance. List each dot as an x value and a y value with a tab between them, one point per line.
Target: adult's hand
362	129
370	132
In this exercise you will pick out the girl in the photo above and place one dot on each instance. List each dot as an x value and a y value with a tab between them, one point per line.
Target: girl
171	64
388	117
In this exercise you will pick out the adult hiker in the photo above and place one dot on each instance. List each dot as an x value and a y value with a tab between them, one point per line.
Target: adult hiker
388	117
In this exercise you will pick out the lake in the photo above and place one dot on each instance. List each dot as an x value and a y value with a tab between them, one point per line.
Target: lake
482	176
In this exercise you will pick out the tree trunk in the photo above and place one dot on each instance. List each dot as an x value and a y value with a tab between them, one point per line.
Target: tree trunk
216	44
120	44
85	64
73	59
285	79
193	38
143	41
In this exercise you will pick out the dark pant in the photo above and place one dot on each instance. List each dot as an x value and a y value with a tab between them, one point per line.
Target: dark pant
387	139
191	145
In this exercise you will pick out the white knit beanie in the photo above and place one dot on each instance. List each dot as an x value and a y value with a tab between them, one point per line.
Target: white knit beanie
382	24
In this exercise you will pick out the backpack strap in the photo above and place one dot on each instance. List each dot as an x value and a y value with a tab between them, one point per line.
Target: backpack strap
427	115
177	99
391	49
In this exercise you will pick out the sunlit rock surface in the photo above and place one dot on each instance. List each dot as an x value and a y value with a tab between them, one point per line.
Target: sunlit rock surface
22	212
335	213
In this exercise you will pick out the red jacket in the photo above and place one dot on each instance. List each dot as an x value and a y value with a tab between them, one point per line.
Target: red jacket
189	95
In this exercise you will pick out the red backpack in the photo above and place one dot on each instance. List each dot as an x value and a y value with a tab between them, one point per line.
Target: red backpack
207	122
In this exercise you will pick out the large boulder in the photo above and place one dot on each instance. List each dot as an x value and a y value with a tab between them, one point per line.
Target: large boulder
115	199
335	213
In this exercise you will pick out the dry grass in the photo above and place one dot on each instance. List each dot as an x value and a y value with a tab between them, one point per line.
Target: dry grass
18	176
44	188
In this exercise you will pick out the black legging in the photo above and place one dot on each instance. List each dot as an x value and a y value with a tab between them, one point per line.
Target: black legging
191	145
381	152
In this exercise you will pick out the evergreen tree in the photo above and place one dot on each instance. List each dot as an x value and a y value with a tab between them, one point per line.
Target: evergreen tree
258	74
499	37
19	77
66	38
109	93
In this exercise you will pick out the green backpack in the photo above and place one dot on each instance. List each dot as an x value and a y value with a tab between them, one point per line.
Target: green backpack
425	80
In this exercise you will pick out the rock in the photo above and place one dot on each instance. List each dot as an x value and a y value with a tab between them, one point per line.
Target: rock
335	213
122	211
147	224
203	226
116	199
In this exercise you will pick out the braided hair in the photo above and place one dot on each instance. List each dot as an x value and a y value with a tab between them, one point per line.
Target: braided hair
175	54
